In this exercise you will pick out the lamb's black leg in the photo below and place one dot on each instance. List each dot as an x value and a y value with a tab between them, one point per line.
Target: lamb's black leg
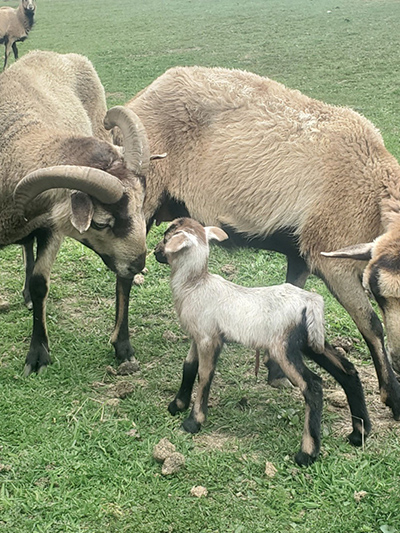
347	376
208	352
290	358
296	274
190	367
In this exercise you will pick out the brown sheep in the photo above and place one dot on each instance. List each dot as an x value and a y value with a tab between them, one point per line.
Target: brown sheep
281	171
15	24
60	176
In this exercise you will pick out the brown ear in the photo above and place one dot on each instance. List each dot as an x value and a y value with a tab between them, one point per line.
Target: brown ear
215	234
82	211
178	242
362	252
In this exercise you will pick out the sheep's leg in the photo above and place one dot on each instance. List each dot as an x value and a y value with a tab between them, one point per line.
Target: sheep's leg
347	376
297	271
120	337
350	293
310	385
6	53
190	367
296	274
208	352
15	50
29	263
48	245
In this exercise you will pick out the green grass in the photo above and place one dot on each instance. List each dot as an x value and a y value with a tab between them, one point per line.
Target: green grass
67	462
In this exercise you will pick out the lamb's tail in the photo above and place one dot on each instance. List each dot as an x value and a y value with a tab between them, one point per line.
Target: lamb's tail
315	321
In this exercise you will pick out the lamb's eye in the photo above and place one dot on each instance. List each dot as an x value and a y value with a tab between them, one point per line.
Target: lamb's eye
99	226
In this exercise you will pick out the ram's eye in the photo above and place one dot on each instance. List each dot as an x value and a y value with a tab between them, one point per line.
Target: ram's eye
99	225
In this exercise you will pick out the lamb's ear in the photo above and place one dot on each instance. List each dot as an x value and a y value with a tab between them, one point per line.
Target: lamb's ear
362	252
82	211
215	234
177	242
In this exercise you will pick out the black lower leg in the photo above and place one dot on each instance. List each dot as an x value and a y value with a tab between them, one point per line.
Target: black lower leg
182	399
311	441
38	355
347	376
120	339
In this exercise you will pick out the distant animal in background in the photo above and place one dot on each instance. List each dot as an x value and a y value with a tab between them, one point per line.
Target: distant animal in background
283	319
15	25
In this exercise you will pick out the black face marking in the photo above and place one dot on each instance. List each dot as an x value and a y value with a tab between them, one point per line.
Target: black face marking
123	222
389	262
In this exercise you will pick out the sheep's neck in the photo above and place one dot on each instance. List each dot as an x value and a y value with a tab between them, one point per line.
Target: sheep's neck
185	278
26	17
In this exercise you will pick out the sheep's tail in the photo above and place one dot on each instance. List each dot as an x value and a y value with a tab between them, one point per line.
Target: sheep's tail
315	322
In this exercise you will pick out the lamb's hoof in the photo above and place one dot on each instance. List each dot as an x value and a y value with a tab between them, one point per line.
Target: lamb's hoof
304	459
173	408
191	426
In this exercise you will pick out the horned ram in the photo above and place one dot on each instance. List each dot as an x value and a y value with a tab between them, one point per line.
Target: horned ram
281	171
61	176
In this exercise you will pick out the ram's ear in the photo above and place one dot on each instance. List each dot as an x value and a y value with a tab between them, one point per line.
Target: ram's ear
362	252
178	242
81	211
215	234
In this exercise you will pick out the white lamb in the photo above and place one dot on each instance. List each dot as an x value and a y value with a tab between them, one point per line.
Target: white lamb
285	320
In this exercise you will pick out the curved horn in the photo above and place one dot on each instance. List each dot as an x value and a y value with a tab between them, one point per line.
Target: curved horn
106	188
136	145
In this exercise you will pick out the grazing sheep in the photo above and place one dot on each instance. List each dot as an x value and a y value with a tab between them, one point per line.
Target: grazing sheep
15	24
281	171
60	176
284	319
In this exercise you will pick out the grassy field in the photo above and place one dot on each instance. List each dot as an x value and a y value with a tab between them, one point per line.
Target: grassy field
76	458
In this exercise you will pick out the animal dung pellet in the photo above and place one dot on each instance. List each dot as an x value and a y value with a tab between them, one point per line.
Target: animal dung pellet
199	491
128	367
4	306
122	389
337	399
270	469
172	464
111	370
138	279
163	449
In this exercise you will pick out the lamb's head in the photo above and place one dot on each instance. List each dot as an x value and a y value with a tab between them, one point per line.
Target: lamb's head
101	204
29	6
381	280
185	243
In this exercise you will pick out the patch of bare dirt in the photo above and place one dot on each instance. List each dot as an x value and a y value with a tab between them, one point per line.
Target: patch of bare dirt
216	441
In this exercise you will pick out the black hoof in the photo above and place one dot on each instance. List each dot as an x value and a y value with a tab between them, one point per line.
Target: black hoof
356	438
304	459
37	361
191	426
173	408
123	351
